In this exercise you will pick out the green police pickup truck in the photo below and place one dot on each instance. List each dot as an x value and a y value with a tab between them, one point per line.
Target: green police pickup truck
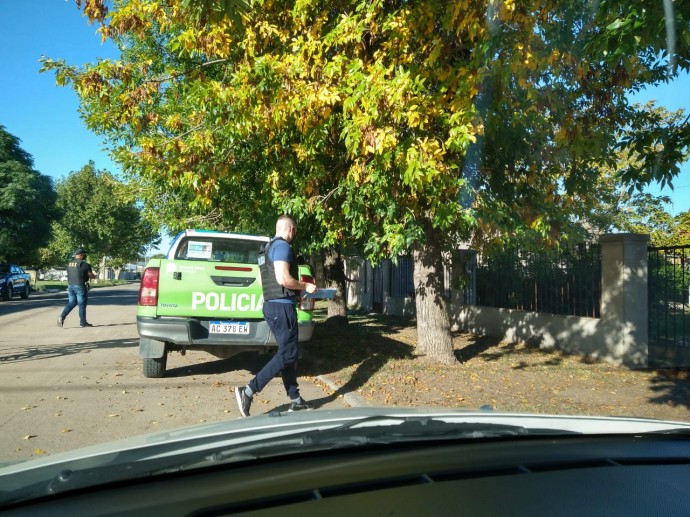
206	295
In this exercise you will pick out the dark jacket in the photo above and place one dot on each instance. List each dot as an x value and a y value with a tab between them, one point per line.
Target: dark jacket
78	272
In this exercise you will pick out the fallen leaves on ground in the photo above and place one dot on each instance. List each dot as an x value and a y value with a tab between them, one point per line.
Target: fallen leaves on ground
375	356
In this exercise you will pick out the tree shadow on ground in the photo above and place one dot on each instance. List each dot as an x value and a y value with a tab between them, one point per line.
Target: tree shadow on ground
672	386
27	353
354	353
363	341
364	346
100	296
112	296
490	348
17	305
250	361
478	346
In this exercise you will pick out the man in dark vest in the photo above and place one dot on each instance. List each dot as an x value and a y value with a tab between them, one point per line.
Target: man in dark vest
79	272
279	279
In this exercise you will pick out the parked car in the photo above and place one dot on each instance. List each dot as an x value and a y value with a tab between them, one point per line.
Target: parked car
14	281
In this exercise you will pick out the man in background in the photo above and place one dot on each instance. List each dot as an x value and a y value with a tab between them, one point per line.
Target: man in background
79	272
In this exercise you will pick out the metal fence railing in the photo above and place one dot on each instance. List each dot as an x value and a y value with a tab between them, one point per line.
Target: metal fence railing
402	280
669	296
566	281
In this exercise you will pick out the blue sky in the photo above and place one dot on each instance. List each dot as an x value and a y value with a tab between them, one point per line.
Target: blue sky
42	115
45	117
673	96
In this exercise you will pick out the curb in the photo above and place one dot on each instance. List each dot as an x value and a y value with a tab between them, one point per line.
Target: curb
352	399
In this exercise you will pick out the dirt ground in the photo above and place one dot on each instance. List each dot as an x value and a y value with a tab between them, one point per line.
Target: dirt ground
375	357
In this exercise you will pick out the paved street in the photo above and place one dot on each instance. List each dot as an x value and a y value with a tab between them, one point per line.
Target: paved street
63	388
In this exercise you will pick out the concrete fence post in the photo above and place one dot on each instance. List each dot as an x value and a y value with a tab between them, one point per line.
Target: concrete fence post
624	304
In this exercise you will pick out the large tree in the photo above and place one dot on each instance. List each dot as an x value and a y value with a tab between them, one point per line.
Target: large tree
681	229
401	126
27	204
98	216
619	205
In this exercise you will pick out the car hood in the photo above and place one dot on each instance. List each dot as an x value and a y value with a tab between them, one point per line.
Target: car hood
278	433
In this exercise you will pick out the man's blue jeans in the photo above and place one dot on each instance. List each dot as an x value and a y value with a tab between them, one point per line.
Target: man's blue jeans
282	320
77	295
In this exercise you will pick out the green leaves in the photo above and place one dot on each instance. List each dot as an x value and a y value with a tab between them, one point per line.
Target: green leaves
660	142
27	204
360	116
214	11
98	215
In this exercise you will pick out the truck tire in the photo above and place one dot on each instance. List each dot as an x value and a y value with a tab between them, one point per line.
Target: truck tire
26	291
154	367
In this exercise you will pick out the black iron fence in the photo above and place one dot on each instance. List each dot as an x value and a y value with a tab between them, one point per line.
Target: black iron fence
402	279
669	298
565	281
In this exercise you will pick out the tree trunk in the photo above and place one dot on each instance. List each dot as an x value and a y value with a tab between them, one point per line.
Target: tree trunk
433	326
334	273
101	269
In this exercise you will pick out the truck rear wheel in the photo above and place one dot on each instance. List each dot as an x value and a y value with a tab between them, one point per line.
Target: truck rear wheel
154	367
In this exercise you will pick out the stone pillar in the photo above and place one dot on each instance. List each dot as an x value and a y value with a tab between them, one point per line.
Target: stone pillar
624	307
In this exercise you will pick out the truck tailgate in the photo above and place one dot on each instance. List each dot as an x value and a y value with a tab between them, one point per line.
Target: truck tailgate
209	290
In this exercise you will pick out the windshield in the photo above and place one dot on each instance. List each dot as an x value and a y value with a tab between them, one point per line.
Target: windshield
487	204
219	250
